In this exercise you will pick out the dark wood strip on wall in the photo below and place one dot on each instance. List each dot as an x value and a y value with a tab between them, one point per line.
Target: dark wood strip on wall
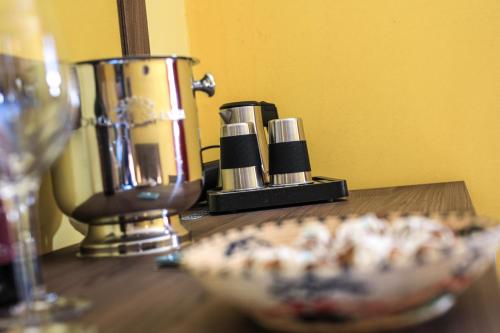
133	27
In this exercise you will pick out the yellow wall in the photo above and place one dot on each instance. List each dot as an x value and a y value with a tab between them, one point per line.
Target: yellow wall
86	29
391	92
167	27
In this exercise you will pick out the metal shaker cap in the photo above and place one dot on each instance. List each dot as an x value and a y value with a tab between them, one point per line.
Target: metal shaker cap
286	130
237	129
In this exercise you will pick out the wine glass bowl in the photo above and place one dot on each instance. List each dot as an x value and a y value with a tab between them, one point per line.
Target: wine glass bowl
38	102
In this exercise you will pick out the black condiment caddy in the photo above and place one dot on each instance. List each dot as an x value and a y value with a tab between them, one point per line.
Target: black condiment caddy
322	189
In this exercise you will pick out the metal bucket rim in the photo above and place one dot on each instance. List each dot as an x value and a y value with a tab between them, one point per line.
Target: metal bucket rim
122	60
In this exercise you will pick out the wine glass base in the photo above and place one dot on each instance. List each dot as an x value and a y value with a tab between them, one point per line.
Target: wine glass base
45	312
55	328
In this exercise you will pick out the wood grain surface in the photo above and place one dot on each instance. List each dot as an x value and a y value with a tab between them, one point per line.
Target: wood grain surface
132	295
133	22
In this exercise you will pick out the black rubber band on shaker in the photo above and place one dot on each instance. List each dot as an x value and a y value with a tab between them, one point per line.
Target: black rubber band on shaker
288	157
239	151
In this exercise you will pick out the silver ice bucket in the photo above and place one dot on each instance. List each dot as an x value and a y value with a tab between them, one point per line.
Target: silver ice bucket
133	162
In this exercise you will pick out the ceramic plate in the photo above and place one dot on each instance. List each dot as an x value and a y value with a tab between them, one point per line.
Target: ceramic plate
293	275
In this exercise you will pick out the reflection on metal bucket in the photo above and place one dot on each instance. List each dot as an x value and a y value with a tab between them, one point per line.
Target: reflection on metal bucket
134	157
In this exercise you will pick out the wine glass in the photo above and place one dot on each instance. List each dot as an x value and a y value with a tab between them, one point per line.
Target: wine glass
38	102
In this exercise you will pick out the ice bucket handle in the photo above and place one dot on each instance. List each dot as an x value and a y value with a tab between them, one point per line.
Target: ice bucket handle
206	84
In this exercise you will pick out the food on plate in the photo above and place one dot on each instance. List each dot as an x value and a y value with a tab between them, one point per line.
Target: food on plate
363	243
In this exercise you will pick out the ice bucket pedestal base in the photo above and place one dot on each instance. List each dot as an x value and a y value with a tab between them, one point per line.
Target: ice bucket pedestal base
158	235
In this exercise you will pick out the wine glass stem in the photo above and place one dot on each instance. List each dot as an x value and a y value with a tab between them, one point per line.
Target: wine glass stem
22	215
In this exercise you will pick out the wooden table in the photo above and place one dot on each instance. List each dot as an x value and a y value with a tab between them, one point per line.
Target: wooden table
132	295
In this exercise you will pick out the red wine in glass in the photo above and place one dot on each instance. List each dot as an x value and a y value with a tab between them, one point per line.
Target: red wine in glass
8	292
